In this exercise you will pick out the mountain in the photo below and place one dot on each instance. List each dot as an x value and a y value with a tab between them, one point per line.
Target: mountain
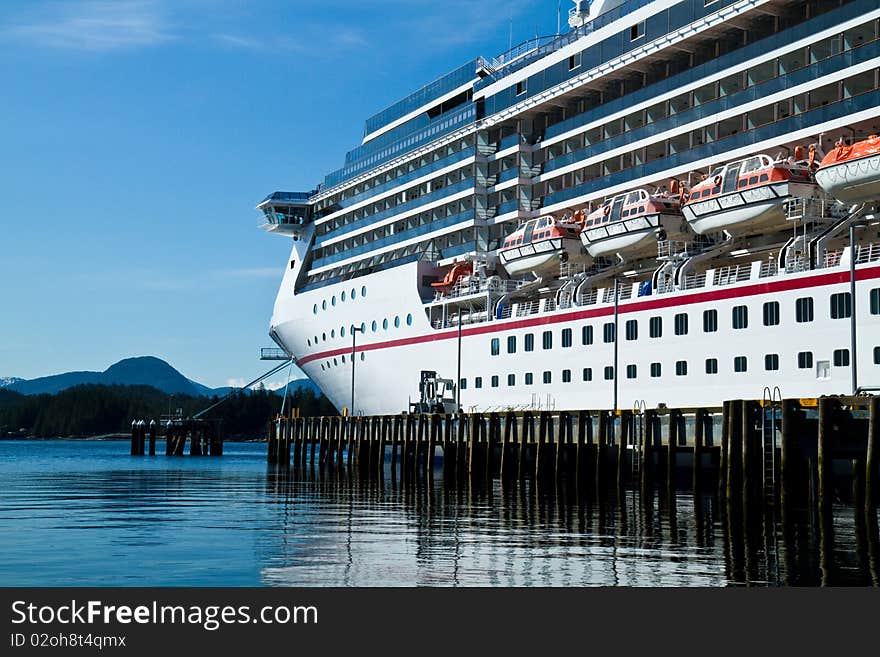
143	370
6	381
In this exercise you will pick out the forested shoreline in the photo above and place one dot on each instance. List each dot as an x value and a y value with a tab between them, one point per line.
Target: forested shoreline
96	410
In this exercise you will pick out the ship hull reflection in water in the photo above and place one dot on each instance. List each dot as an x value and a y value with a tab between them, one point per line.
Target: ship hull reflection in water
437	532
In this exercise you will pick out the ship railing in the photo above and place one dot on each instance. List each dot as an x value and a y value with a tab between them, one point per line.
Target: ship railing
506	312
624	292
768	269
795	264
665	284
588	298
525	308
671	248
809	208
831	259
867	252
549	305
732	274
694	281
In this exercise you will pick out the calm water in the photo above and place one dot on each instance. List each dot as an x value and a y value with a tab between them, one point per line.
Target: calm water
86	513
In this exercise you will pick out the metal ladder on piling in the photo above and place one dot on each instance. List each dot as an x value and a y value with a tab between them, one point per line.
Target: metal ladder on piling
771	413
637	433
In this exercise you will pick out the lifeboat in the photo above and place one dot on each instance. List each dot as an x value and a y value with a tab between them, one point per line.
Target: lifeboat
540	246
458	271
748	196
852	173
631	223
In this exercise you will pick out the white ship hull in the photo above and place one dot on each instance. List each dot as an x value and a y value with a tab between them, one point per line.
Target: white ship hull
632	237
541	258
744	213
388	362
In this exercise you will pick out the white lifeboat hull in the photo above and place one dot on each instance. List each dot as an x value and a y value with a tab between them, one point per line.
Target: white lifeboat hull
746	212
631	237
542	257
854	180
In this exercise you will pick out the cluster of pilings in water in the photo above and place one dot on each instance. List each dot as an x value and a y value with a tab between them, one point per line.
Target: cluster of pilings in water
205	437
766	462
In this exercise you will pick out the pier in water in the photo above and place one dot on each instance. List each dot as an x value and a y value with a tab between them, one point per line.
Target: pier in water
83	513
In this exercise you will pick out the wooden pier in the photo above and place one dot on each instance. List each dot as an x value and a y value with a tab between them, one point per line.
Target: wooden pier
205	437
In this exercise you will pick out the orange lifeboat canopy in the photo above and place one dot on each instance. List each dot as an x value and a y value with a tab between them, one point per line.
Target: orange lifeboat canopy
459	270
844	153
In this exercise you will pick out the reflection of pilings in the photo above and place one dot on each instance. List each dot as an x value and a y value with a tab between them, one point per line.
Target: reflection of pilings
734	449
699	440
725	450
623	461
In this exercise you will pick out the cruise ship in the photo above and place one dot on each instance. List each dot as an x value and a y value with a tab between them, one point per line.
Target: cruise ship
670	203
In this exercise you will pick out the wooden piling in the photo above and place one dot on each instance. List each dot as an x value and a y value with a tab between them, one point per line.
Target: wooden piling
528	429
734	449
540	452
672	447
584	423
725	449
272	455
871	473
827	409
601	448
626	418
647	456
699	440
152	437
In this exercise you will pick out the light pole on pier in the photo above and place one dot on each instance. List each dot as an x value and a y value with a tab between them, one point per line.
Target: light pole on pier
354	331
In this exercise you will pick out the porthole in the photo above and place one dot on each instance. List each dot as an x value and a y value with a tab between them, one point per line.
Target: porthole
316	339
397	322
374	326
363	327
364	291
309	342
362	355
332	333
342	332
342	297
385	324
353	294
324	304
322	367
315	309
333	300
335	362
343	359
328	364
323	337
409	320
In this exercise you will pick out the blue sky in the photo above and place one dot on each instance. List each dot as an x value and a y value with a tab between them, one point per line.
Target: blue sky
137	136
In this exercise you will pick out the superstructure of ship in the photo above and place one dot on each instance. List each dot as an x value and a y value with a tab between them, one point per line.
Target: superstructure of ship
670	203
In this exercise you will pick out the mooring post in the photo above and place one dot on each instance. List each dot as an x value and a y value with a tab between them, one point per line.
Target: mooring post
749	454
623	447
580	456
647	456
272	455
827	409
724	456
734	449
152	437
601	447
699	433
505	441
871	453
395	439
525	435
562	439
540	455
672	447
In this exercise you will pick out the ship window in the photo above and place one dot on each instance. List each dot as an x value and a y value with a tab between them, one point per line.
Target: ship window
494	380
740	317
841	305
521	88
743	183
511	344
710	321
764	177
803	309
343	359
353	294
771	362
740	364
547	340
681	368
656	370
385	324
309	342
530	379
655	327
771	313
529	339
805	360
374	326
315	309
511	379
342	296
478	382
637	31
631	371
574	61
548	377
681	324
363	355
323	337
711	366
608	332
332	333
342	332
363	327
632	329
333	300
462	384
495	347
324	304
566	376
588	373
876	355
875	301
396	322
609	373
409	320
841	357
